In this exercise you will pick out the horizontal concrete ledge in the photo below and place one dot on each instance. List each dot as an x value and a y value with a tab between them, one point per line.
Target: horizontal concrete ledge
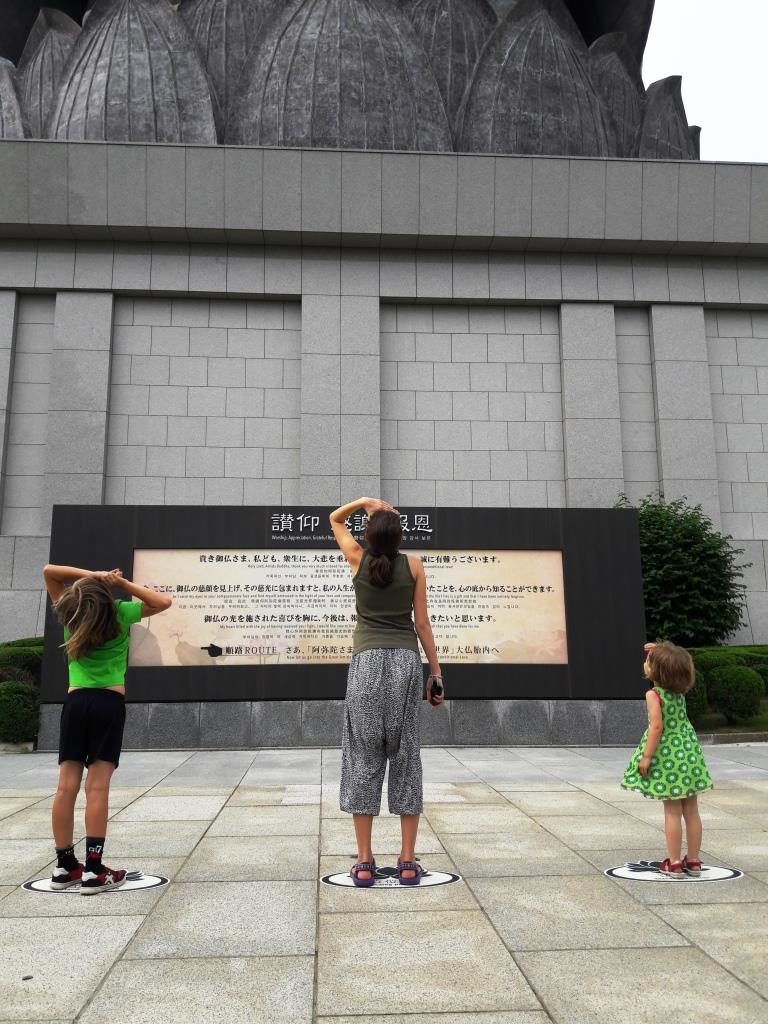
215	194
247	725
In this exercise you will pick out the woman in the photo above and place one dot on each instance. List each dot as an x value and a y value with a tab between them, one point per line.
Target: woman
385	684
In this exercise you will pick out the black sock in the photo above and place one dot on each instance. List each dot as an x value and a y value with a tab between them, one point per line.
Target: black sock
65	858
94	846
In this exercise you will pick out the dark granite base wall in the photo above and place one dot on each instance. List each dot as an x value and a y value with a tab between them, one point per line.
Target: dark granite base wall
227	725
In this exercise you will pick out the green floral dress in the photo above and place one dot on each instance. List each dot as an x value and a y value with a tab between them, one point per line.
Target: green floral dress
678	769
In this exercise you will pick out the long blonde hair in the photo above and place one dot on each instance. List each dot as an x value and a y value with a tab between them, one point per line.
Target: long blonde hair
87	611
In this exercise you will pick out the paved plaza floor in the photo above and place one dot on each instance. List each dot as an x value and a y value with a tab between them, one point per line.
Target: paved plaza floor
245	933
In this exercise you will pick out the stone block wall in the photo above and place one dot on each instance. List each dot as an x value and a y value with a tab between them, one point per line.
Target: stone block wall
471	406
205	403
738	367
637	403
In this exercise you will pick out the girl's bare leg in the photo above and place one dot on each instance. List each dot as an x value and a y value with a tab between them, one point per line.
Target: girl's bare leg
673	828
97	797
693	827
63	811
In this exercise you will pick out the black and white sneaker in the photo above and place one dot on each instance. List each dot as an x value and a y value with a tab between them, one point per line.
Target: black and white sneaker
63	879
101	881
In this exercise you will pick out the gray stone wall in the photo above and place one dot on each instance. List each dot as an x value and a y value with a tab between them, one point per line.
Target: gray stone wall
738	367
636	402
204	403
471	406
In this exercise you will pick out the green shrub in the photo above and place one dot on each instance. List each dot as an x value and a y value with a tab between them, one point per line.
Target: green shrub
754	660
708	660
696	701
691	574
762	671
29	641
735	691
28	658
19	713
8	674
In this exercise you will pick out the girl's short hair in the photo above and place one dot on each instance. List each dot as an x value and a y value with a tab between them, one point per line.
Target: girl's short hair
87	610
671	667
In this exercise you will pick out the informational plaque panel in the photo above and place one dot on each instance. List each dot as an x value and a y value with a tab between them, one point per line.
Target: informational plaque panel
525	603
297	607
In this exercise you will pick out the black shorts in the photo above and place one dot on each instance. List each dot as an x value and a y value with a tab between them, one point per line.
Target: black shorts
92	724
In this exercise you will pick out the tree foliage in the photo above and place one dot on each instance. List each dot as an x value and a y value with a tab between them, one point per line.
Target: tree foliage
691	574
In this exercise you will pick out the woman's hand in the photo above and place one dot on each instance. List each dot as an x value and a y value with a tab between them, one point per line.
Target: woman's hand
644	766
372	505
437	699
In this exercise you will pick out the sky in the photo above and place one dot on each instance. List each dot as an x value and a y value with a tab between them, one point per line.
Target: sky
720	49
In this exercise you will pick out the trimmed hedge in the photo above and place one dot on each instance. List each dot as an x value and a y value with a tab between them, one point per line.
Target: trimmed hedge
9	674
696	701
30	659
723	657
29	641
19	713
736	691
762	671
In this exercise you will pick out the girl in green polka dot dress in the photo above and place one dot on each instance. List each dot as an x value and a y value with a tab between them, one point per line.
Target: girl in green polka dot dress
668	763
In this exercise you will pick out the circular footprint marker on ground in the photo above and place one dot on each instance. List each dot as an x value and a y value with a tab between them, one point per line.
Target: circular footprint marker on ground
648	871
386	878
134	880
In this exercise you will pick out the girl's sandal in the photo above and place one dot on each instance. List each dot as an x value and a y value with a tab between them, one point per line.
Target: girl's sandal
368	866
409	865
692	866
673	868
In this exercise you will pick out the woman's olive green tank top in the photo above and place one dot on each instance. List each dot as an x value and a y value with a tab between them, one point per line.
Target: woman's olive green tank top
384	614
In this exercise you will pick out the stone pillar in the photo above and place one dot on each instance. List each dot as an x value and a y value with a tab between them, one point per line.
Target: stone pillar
340	398
79	401
7	332
594	469
686	440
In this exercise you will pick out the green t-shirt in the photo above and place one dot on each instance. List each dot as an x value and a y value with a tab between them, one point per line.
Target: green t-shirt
106	665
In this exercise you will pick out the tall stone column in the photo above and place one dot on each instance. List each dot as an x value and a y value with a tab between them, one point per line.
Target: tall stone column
7	330
686	439
594	467
340	398
79	400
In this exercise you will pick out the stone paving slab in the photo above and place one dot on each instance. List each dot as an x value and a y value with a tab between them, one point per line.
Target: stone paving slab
266	821
21	858
230	919
139	839
485	818
451	961
531	851
568	913
269	990
260	796
173	808
747	850
641	986
541	805
513	1017
337	837
735	935
60	984
10	806
252	858
595	832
